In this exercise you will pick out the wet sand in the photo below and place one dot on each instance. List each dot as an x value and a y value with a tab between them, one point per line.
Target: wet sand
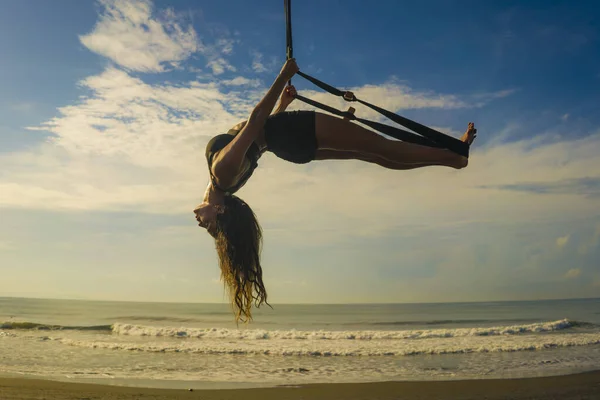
568	387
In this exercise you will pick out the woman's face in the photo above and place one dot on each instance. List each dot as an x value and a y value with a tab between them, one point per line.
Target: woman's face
206	215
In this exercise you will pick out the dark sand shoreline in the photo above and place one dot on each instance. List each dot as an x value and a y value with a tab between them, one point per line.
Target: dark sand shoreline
565	387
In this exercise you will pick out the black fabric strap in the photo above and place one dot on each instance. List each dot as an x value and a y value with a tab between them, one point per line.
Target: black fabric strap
288	31
392	131
321	84
399	134
453	144
326	107
289	50
430	137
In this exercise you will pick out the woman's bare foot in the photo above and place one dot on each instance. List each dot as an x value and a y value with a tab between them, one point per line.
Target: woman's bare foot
470	134
468	137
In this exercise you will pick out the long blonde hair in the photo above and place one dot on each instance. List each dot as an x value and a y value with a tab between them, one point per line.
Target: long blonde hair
239	243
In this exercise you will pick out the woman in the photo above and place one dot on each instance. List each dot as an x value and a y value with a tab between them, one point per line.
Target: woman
299	137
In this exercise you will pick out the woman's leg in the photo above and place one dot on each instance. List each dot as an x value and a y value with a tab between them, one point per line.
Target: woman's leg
323	154
338	135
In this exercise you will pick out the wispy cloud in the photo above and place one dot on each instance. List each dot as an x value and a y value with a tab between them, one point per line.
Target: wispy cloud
396	96
481	99
130	35
582	186
241	81
562	241
573	273
219	65
257	62
225	45
216	54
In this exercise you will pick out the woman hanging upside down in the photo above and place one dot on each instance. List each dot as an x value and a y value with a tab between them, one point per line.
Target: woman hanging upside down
299	137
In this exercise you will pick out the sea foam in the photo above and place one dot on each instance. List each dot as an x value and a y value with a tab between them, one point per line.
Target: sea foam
349	348
261	334
530	337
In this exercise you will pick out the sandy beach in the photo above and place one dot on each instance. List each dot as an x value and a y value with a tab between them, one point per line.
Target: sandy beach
568	387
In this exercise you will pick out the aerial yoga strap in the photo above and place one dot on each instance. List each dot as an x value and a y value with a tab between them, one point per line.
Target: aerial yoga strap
430	137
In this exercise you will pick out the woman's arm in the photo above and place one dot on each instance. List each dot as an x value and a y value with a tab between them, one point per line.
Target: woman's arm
228	161
286	99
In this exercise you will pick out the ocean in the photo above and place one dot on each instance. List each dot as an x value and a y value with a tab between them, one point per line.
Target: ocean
172	345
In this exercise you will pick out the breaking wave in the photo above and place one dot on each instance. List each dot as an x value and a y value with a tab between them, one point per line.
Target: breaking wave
262	334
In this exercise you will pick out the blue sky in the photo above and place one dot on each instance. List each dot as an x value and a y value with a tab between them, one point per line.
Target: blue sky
106	108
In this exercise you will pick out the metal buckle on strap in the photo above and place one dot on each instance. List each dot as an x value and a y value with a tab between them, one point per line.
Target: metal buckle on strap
349	96
349	115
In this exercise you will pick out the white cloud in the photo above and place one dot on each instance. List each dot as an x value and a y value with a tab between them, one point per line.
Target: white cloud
573	273
216	53
257	62
484	98
219	65
240	81
565	117
226	45
562	241
132	145
145	125
394	96
128	34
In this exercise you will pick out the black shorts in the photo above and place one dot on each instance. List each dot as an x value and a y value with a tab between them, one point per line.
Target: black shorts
291	136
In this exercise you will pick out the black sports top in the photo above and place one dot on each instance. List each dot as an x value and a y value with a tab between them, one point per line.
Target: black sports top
252	155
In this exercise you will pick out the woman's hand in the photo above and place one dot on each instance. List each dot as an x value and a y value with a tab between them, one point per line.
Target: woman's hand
289	69
288	95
